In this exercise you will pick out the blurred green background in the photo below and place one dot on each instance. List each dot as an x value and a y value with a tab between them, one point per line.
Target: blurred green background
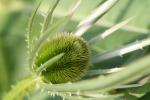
14	15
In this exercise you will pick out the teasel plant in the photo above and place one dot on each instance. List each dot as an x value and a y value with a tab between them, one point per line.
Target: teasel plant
62	63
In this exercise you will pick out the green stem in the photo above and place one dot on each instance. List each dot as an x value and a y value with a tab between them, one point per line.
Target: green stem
21	89
3	69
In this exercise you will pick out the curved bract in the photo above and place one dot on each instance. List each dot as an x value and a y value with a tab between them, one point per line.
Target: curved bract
71	66
65	58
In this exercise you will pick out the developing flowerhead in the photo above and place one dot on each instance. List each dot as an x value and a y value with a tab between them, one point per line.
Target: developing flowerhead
72	66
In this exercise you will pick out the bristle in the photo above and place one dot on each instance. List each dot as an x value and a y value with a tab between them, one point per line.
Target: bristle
71	66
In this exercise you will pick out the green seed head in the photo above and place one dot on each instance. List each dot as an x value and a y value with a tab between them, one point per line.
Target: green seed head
72	66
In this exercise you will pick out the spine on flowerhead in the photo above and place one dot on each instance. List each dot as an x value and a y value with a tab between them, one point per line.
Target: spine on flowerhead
71	66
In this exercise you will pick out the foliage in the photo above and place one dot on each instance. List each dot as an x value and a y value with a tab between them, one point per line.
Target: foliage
117	33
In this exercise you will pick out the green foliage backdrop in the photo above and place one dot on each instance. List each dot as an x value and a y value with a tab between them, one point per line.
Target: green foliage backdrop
14	16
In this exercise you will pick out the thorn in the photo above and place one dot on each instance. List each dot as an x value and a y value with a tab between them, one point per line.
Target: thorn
43	14
49	93
27	69
78	93
28	52
27	46
141	48
48	39
41	24
12	86
36	54
34	65
38	79
38	86
69	82
120	55
40	74
26	40
27	29
42	90
35	39
50	83
32	68
69	93
41	35
101	76
44	69
32	41
53	94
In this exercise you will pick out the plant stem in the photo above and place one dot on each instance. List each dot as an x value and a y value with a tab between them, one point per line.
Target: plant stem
21	89
4	80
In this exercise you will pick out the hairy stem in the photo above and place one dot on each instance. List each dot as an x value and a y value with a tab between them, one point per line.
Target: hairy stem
21	89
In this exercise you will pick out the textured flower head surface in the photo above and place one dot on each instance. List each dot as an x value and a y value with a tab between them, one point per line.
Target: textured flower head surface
73	64
62	63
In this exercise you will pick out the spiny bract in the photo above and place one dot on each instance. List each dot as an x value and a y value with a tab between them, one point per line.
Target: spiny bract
72	66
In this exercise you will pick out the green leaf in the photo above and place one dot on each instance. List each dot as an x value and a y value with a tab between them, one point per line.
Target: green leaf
30	25
49	63
49	16
130	73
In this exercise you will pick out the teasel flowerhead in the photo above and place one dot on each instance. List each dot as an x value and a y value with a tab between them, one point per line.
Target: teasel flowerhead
71	66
